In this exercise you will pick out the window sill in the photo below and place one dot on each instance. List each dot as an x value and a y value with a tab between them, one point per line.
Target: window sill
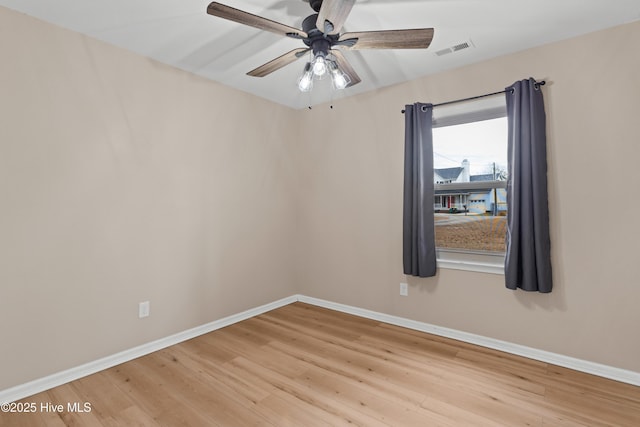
482	262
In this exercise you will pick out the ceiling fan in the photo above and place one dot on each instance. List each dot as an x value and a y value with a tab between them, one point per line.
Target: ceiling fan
321	35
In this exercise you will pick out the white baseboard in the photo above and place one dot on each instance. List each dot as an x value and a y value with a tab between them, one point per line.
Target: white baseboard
617	374
57	379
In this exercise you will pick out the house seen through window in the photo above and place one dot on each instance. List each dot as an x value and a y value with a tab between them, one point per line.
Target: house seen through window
470	171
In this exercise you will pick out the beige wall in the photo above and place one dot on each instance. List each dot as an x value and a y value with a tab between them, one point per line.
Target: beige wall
123	180
351	215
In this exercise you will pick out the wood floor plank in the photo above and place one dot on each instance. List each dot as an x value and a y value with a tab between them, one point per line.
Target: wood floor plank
131	416
593	409
206	346
66	395
246	389
322	408
371	401
283	413
345	369
302	365
580	382
388	367
99	389
152	396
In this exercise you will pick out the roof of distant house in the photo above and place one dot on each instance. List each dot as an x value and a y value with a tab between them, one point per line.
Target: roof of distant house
485	177
449	173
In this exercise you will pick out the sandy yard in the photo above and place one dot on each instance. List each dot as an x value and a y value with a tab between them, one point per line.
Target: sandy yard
485	233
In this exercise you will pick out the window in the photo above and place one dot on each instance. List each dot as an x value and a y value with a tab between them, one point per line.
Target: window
470	169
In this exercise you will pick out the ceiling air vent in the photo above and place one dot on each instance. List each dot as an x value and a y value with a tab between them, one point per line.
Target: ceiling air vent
454	48
461	46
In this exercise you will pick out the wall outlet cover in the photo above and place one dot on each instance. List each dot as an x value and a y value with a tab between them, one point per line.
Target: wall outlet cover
404	289
143	309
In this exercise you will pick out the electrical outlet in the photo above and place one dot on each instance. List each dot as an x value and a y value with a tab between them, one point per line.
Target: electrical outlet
143	309
404	289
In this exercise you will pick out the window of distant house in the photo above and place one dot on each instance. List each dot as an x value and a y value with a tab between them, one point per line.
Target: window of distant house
470	171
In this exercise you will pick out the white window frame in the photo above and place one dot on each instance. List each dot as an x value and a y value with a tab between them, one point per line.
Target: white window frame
488	108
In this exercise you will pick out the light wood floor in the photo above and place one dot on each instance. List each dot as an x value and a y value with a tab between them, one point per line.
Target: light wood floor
305	366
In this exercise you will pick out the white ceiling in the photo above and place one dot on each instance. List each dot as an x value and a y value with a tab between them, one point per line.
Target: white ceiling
180	33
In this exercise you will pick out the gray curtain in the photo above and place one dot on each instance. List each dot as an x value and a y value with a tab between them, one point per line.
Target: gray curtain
419	247
528	258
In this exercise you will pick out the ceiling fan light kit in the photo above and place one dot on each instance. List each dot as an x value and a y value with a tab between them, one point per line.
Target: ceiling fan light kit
321	34
321	65
339	79
305	82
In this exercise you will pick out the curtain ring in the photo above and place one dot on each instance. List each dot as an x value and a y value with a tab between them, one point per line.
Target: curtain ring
424	108
537	85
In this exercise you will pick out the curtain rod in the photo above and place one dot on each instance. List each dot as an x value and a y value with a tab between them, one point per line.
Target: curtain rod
538	84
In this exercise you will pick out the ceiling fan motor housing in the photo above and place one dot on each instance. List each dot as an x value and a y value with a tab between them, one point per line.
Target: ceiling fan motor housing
317	40
309	25
315	4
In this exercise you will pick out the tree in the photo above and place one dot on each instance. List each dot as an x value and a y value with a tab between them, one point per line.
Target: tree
498	171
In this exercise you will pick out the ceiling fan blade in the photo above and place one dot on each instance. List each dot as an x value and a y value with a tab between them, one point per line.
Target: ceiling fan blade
236	15
334	12
346	68
390	39
278	63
